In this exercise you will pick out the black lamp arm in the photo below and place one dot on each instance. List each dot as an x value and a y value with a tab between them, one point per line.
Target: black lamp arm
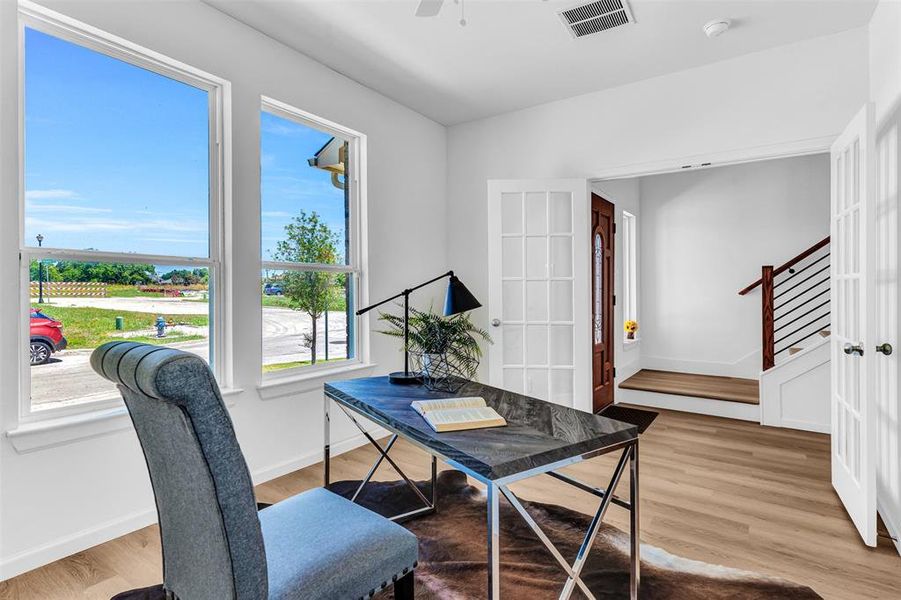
406	292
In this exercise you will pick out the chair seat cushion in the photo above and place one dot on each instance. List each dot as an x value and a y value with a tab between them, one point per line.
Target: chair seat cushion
321	545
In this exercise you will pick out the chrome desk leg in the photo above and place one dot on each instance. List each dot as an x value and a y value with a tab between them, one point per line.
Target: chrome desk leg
325	438
494	543
635	571
434	481
595	526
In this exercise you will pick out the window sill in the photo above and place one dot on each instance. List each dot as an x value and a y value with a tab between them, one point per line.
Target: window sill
631	344
48	433
291	385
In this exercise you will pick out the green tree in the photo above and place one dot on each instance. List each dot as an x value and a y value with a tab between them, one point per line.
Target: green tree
309	240
186	276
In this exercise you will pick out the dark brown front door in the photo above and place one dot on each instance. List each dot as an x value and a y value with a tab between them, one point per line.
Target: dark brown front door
602	230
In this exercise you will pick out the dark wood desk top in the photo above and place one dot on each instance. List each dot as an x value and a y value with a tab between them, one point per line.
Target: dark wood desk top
537	434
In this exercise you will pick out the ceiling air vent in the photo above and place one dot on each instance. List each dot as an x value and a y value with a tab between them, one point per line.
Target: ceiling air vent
595	17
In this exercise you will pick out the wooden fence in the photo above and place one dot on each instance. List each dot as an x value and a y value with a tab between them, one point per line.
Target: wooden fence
70	289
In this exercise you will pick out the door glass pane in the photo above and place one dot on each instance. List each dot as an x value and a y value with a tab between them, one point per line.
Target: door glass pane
561	300
561	212
536	257
536	296
511	213
512	301
536	213
598	289
536	345
513	345
561	256
511	257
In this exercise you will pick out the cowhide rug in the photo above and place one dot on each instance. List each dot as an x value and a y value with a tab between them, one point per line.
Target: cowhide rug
452	553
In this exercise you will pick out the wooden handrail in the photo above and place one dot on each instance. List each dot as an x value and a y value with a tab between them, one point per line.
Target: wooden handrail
788	265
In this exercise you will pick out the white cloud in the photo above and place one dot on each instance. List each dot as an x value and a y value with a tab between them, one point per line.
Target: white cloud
64	208
89	225
54	194
276	214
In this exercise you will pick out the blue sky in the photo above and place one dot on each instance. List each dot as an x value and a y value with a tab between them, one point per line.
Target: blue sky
116	158
289	184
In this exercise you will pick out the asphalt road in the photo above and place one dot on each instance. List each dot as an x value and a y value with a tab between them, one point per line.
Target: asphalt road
69	379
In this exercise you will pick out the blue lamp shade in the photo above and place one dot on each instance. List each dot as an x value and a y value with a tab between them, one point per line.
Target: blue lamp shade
458	299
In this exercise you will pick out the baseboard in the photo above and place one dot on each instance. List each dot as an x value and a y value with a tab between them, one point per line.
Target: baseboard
87	538
311	458
77	542
748	366
892	524
702	406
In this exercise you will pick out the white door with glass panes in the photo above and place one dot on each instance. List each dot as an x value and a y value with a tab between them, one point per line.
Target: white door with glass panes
539	298
853	326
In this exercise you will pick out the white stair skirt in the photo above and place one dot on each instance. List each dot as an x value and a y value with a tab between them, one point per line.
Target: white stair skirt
701	406
796	393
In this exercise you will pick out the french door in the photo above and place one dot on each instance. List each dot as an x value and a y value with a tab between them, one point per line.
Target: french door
539	292
853	231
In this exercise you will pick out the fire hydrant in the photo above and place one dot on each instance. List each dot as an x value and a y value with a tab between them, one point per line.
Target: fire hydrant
160	327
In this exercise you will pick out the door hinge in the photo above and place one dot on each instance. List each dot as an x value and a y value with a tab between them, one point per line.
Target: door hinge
614	299
614	228
614	372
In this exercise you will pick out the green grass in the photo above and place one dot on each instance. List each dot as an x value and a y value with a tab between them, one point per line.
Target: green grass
129	291
339	305
297	363
89	327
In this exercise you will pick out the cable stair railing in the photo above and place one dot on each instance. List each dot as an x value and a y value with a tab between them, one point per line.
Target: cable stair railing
795	302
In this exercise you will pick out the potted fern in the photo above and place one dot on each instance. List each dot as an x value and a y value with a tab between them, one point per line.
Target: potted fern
445	350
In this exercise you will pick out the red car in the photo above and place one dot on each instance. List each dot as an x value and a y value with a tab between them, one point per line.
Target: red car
46	337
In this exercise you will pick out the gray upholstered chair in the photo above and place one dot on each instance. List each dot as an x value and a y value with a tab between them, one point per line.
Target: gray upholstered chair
216	546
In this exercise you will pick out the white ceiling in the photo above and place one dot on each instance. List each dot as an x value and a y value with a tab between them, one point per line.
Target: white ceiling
516	53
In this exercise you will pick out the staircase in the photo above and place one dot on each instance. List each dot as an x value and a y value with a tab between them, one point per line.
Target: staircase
795	331
793	387
794	302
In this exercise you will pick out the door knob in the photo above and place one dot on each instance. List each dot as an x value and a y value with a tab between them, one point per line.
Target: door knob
885	349
849	349
495	322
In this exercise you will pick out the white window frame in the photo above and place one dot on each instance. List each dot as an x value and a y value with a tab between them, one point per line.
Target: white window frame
355	266
630	272
52	23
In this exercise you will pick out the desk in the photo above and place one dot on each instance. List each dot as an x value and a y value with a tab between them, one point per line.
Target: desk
540	438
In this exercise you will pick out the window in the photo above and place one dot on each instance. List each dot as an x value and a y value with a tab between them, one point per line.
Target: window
309	242
630	271
121	204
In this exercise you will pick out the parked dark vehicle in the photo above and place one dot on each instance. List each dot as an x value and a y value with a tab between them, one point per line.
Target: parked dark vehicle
46	337
273	289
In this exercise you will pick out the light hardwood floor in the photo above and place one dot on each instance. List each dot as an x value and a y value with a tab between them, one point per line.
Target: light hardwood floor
714	387
717	490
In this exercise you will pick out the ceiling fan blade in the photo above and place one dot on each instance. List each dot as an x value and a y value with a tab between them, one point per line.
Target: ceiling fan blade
429	8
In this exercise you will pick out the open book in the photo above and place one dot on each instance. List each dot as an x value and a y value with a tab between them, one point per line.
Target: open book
457	414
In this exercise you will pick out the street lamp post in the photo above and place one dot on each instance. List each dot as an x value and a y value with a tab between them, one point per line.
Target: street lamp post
40	239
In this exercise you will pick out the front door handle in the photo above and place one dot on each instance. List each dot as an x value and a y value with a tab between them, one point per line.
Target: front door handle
850	349
495	322
885	349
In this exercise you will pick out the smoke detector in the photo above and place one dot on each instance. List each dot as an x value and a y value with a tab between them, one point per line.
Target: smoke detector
594	17
717	27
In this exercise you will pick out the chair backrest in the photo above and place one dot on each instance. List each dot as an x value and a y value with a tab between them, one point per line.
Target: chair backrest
212	542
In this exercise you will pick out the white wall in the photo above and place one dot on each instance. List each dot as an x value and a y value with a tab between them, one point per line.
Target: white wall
885	90
792	97
56	501
625	195
704	236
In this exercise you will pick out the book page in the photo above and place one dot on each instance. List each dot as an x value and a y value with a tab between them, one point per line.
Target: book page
463	415
424	406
